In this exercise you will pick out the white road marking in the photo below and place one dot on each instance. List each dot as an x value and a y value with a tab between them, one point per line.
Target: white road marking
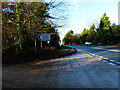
112	63
105	61
113	50
105	58
118	62
112	60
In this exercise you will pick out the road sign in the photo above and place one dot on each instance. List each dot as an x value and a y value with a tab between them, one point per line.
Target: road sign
16	40
44	37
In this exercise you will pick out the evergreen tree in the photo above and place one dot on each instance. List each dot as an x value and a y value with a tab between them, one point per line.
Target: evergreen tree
67	37
104	30
22	20
91	34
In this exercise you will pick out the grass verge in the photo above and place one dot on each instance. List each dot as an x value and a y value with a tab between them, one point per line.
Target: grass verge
40	54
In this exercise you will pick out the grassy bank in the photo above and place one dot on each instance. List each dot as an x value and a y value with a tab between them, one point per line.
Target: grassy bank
40	54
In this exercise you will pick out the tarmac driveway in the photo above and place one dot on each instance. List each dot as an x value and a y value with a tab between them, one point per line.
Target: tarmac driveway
79	70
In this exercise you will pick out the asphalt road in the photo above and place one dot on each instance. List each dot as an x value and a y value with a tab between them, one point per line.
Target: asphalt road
79	70
110	52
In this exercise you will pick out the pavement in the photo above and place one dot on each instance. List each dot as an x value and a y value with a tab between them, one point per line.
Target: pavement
79	70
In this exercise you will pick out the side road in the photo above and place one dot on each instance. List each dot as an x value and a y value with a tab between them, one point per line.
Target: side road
79	70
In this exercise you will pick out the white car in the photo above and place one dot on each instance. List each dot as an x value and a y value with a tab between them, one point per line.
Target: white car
88	43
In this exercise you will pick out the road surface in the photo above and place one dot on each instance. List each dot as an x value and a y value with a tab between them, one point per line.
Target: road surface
106	51
79	70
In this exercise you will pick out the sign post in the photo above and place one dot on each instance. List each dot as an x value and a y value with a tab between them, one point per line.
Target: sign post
44	37
16	43
35	45
41	44
35	36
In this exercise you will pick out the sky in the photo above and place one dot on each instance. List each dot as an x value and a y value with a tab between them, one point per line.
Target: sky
82	14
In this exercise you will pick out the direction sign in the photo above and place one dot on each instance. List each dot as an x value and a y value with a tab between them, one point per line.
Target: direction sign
44	37
16	40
